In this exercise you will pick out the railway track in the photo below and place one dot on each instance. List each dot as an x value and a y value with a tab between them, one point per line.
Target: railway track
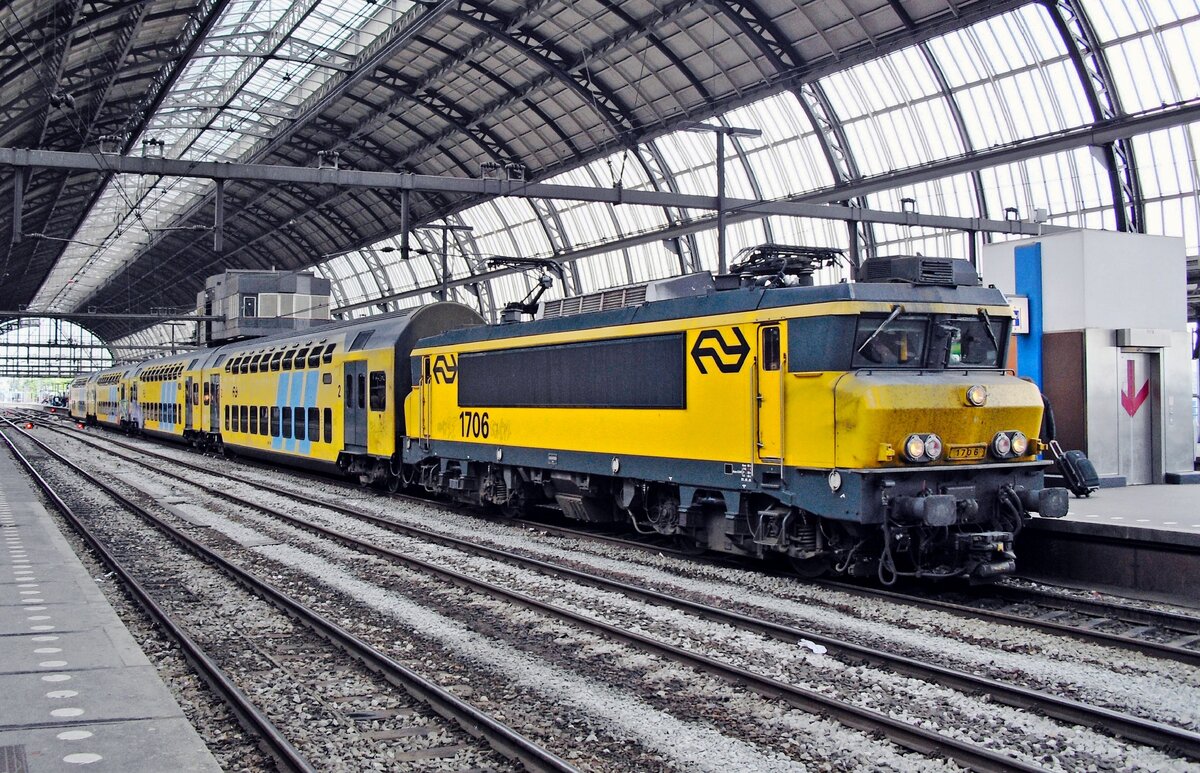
473	722
1123	725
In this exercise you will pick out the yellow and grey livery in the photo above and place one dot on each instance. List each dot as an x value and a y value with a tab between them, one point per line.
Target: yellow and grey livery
869	428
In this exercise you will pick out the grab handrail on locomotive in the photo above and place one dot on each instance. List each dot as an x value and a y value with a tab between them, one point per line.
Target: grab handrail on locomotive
867	428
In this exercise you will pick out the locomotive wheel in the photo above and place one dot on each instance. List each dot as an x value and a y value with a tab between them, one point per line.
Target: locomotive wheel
394	483
811	568
517	506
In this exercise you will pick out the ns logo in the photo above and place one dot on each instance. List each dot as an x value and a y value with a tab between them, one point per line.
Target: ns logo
727	355
445	368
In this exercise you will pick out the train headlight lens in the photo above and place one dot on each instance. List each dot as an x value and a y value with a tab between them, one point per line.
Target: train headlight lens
914	448
835	480
1002	444
933	446
1020	443
977	396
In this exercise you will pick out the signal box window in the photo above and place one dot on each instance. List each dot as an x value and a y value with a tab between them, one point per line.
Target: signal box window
378	390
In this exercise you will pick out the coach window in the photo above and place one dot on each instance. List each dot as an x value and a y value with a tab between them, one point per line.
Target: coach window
226	417
262	419
275	358
300	357
253	420
314	357
314	424
328	425
349	390
362	390
254	363
770	348
245	409
287	359
299	428
286	430
237	425
378	390
274	421
327	357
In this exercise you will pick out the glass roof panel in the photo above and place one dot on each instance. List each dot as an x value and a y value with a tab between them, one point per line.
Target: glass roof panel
242	83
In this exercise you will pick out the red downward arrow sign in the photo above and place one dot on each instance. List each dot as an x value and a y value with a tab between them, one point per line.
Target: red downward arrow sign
1130	401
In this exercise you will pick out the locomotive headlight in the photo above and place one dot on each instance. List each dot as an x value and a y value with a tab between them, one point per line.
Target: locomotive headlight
1020	443
933	447
1002	444
977	396
914	448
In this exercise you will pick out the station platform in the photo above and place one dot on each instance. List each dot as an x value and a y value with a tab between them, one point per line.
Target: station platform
78	691
1144	539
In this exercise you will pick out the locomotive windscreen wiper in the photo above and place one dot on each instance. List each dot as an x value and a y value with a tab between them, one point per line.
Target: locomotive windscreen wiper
896	311
987	325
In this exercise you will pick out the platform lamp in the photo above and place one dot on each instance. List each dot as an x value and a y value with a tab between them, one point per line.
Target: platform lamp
722	132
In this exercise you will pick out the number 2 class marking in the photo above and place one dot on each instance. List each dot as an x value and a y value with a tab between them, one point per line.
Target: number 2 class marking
473	423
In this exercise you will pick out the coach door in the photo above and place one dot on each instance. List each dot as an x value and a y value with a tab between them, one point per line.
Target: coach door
187	403
354	395
214	403
769	377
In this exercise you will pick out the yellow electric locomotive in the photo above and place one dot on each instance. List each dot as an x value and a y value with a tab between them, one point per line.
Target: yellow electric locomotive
867	428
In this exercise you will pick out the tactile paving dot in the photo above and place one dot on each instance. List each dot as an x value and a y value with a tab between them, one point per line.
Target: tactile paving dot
56	677
69	712
57	694
84	758
74	735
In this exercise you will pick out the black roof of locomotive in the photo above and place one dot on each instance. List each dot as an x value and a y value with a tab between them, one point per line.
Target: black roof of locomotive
727	302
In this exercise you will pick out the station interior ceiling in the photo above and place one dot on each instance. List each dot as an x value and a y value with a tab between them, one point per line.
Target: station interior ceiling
1075	113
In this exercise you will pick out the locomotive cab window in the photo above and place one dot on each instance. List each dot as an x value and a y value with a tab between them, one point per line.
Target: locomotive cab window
378	390
978	342
890	341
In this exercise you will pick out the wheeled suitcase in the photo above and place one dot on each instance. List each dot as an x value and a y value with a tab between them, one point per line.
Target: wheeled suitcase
1077	470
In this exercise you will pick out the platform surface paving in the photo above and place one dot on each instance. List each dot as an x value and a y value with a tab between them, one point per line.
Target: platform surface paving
76	691
1162	507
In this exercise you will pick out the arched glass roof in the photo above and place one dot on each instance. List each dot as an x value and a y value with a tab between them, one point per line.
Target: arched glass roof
969	109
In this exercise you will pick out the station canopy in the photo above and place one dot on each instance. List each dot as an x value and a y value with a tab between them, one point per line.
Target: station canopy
1079	113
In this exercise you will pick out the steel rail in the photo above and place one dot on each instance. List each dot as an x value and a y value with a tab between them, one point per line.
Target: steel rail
502	738
914	738
249	716
1124	725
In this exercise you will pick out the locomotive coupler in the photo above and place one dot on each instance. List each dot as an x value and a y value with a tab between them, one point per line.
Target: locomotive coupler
987	554
931	510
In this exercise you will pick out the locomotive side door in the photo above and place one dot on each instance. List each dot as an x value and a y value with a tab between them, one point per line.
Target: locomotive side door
425	405
214	403
769	397
354	402
187	403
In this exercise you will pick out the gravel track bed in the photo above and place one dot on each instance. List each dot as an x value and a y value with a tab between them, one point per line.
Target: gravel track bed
1137	684
629	716
337	713
975	719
